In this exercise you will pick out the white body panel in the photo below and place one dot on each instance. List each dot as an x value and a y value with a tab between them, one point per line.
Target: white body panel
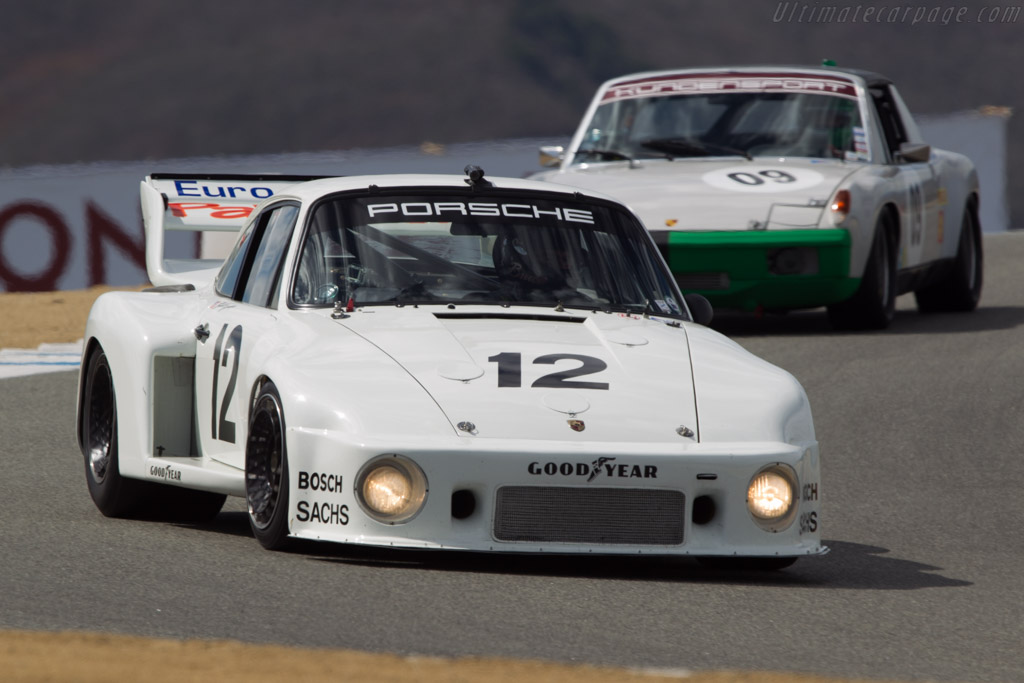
668	401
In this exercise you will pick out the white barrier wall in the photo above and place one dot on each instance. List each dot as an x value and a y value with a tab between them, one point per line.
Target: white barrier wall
980	135
75	226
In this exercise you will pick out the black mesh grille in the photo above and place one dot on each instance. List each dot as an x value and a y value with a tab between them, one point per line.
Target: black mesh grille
597	516
688	281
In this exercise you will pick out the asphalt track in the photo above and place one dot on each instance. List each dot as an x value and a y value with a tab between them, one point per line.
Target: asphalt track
923	463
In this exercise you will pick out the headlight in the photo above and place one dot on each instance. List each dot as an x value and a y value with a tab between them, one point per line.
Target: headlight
771	497
391	488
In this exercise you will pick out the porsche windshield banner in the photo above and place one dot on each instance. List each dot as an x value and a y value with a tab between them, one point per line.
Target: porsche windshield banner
446	210
711	83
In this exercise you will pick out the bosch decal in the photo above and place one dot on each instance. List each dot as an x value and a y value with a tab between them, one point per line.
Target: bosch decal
317	481
810	492
808	522
322	513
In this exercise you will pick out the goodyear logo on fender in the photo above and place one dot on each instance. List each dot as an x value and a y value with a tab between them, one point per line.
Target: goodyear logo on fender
165	472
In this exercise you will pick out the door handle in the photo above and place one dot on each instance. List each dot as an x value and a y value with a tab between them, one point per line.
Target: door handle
202	332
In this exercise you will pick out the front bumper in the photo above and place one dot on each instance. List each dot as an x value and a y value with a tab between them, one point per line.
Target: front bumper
470	480
771	269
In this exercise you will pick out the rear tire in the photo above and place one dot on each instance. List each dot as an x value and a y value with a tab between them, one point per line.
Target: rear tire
960	291
266	471
114	495
873	306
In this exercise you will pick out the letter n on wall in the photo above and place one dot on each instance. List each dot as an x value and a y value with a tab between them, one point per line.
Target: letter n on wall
102	228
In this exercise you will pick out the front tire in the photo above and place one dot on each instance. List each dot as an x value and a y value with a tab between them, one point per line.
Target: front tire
114	495
960	291
266	470
873	306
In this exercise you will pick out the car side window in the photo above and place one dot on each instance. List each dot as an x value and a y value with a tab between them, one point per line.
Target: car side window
227	279
262	271
888	118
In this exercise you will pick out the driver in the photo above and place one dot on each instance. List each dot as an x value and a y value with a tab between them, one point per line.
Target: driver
536	269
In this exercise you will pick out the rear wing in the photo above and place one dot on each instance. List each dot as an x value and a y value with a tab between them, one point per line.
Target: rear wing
200	203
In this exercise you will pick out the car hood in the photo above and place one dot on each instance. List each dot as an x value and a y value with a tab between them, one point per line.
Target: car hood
716	194
525	373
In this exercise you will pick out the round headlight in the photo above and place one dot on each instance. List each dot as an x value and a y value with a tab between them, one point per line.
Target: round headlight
771	497
391	488
387	490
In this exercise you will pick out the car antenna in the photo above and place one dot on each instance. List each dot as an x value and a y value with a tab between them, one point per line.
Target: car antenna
476	177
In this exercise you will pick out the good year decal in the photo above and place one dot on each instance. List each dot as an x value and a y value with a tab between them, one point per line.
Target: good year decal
603	466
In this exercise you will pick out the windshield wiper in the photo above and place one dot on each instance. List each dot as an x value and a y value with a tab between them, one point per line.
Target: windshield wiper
692	147
413	292
611	154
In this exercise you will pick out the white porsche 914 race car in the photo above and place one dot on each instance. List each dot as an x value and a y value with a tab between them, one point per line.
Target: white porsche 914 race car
438	362
778	188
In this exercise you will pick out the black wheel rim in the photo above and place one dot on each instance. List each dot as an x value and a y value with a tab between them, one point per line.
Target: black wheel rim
101	422
264	462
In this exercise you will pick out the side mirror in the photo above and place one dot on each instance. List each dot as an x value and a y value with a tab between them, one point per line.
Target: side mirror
913	151
700	308
551	155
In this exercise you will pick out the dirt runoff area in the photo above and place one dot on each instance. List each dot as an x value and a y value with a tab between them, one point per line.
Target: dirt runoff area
102	658
30	319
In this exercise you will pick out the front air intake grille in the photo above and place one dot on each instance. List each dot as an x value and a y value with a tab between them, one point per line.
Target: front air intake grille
691	281
595	516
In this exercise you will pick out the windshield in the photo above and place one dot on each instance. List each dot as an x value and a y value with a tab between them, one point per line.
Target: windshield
725	124
503	249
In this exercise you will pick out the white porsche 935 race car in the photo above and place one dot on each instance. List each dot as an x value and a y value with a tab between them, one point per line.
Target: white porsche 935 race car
436	362
778	188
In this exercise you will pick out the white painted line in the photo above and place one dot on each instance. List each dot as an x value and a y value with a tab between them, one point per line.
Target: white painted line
45	358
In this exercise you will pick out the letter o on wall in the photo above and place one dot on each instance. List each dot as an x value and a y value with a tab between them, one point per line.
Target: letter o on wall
60	238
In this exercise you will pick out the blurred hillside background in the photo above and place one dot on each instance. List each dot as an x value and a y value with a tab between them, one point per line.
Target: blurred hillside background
118	80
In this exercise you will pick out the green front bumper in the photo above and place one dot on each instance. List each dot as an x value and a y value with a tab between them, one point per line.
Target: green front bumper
773	269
